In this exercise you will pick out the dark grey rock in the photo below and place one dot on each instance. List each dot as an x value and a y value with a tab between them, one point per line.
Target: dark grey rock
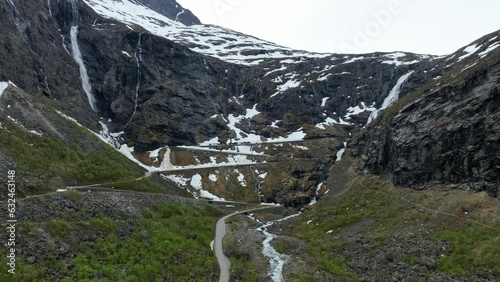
172	10
450	135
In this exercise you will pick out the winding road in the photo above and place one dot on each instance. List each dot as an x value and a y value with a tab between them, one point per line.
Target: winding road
220	232
220	228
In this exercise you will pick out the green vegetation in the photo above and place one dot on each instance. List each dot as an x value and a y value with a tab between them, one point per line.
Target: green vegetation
302	277
282	247
242	269
58	227
474	248
48	163
141	185
73	195
368	201
104	224
368	198
170	243
409	259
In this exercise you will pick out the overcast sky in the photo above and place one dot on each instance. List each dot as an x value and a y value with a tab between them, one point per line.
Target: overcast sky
358	26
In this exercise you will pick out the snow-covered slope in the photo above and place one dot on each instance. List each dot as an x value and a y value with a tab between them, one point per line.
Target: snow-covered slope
472	53
211	40
216	41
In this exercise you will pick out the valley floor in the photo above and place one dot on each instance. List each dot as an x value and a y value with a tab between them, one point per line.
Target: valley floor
372	231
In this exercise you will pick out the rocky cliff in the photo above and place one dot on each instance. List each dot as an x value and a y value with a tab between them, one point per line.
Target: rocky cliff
149	78
447	133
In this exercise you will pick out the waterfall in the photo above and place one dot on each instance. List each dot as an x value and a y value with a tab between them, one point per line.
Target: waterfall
106	136
392	97
315	199
77	55
138	59
18	20
178	14
341	152
50	9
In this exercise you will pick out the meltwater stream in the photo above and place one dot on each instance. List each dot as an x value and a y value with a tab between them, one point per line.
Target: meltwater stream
276	260
138	59
84	76
77	55
392	97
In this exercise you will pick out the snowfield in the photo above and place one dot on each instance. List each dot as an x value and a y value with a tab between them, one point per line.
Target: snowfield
215	41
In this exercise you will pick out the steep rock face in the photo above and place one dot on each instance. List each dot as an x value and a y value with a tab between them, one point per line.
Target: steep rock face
450	134
159	92
340	88
289	88
159	82
176	89
172	10
34	55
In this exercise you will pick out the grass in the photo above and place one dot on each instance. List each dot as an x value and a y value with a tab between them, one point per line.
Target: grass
473	248
474	245
242	269
368	199
170	243
105	224
302	277
48	163
58	227
73	195
410	260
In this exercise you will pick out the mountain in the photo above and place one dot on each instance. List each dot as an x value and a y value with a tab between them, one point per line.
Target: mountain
116	100
172	10
447	132
158	81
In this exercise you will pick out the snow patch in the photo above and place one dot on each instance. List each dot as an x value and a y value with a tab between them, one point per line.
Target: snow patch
289	84
489	49
126	54
196	182
352	111
3	87
210	40
241	178
330	121
323	101
355	59
469	50
180	180
212	177
274	123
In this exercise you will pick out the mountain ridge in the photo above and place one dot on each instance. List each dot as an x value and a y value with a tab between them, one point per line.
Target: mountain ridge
165	91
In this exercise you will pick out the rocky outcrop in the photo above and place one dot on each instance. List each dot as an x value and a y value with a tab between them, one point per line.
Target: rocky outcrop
447	135
170	90
172	10
34	55
161	93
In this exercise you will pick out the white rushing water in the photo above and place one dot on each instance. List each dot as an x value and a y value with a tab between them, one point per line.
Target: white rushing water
84	77
50	9
341	152
138	59
392	97
315	199
276	260
77	55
